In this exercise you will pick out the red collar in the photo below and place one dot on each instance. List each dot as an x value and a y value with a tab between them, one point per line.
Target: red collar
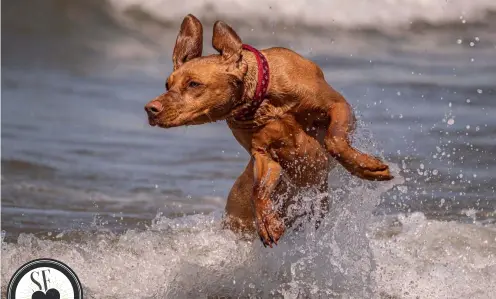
249	109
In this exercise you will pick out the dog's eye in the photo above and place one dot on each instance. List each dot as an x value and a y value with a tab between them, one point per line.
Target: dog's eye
193	84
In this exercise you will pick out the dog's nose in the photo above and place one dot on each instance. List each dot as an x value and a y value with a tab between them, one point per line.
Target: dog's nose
153	108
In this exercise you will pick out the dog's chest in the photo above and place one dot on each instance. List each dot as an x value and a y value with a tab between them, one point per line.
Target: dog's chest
302	157
313	123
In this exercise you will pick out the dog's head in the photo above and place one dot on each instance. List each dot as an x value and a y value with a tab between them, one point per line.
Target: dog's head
200	89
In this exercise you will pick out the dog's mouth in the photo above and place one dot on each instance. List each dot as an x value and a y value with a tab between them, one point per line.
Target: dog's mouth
168	121
161	120
152	121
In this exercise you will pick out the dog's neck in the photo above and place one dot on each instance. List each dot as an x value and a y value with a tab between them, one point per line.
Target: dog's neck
255	91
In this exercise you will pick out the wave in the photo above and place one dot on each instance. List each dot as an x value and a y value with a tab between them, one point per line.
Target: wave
347	14
352	255
191	257
143	32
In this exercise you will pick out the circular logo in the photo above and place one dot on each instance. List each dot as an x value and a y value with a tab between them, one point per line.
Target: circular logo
44	279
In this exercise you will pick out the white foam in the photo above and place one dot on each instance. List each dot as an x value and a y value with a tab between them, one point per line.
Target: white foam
433	259
381	14
192	256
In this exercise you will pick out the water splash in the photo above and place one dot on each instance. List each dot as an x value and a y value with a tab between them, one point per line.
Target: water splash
193	256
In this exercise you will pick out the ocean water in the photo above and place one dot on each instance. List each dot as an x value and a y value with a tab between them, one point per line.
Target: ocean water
136	210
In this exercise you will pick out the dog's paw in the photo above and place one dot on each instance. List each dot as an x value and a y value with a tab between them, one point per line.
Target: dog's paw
371	168
382	175
270	227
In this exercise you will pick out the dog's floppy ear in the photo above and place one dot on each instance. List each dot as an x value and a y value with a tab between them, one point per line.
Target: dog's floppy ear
226	42
189	42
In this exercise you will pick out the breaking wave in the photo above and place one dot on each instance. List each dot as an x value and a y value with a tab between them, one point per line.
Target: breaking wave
348	14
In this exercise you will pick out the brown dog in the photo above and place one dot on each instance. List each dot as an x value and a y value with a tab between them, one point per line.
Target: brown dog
279	108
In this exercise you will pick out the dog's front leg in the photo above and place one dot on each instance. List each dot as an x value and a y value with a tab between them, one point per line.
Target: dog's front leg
338	145
266	172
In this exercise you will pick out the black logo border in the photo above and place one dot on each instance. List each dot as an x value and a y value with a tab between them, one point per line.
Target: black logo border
45	262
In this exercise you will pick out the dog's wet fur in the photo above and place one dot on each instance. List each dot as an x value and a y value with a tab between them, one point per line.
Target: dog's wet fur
299	132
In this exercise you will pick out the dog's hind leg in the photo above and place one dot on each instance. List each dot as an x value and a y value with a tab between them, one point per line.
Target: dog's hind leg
339	146
239	209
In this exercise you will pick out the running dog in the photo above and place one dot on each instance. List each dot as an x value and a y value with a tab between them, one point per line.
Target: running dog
280	108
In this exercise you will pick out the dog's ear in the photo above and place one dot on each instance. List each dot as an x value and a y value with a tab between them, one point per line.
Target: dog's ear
189	42
226	42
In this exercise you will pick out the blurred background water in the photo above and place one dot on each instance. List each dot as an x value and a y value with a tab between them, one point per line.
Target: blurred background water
135	210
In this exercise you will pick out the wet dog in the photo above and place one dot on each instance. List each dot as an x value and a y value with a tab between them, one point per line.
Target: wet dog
280	108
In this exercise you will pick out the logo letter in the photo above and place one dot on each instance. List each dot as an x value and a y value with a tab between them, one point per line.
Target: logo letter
45	280
33	280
